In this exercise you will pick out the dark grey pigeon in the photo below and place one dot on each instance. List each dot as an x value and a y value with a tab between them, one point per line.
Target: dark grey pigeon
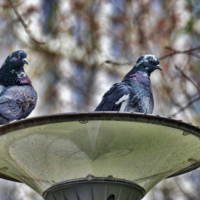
18	98
134	93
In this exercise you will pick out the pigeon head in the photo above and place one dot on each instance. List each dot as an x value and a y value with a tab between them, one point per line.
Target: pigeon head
147	64
12	71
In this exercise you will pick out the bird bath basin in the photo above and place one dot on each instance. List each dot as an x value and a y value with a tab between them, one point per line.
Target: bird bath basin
97	156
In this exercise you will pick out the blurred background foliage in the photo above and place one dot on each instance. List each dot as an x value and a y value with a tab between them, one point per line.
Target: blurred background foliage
78	48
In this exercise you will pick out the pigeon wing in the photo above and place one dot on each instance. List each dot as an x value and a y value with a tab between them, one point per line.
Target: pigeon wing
114	98
17	102
9	108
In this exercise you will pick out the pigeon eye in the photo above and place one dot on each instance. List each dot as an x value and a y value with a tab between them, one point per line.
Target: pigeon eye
151	62
16	56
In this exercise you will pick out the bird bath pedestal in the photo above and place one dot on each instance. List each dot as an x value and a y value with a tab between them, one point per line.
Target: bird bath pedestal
97	156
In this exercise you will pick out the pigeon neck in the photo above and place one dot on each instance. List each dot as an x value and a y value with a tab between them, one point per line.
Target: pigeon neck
24	81
9	76
139	78
135	76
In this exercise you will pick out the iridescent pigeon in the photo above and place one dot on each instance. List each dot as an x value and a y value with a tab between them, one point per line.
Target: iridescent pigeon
18	98
134	93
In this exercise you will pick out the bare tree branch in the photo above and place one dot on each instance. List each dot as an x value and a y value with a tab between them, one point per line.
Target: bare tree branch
189	51
188	195
179	52
186	106
185	76
190	102
194	54
116	63
9	6
24	24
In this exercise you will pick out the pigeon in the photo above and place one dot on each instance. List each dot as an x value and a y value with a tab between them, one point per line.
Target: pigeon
134	93
18	98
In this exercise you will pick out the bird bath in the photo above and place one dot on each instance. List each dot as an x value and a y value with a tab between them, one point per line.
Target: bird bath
97	156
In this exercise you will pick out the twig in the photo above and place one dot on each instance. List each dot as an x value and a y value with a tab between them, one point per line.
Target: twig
9	6
24	24
190	102
179	52
170	48
186	106
189	51
115	63
194	54
188	195
184	75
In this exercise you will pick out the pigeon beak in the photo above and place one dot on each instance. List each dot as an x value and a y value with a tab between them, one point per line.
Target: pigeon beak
25	61
158	67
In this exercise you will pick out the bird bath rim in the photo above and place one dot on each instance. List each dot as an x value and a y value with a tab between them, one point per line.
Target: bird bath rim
84	117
